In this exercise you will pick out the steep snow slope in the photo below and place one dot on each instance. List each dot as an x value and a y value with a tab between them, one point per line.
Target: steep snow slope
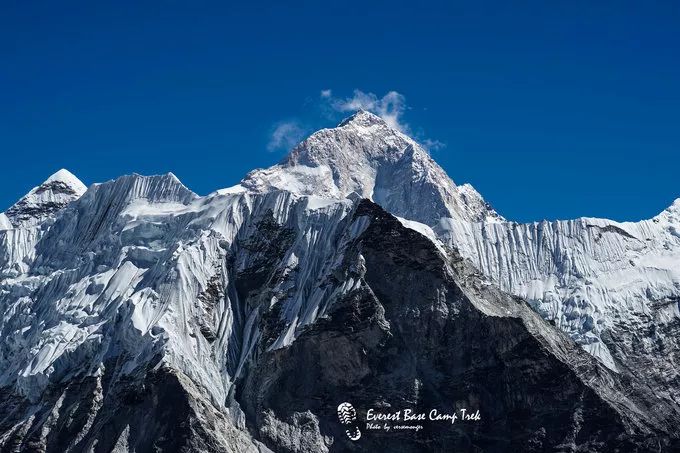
5	224
596	279
140	271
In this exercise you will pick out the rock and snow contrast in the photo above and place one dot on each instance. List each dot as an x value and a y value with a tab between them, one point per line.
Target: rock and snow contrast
139	316
43	201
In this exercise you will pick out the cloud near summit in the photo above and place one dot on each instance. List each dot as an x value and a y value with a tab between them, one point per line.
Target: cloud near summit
286	135
390	107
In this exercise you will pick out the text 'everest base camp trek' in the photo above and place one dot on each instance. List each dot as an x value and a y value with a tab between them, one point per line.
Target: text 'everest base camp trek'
139	316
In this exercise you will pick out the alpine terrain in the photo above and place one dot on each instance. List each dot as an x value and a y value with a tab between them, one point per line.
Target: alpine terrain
137	316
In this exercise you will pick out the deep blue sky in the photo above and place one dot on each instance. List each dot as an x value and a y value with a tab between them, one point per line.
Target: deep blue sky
550	109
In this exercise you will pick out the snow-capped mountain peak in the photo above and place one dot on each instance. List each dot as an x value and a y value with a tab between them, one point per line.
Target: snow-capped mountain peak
44	200
364	156
68	178
363	136
362	118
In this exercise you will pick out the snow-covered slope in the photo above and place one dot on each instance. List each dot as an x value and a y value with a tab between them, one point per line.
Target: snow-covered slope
5	224
594	278
140	269
140	277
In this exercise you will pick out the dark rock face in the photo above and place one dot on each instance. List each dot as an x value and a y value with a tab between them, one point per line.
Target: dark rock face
266	247
650	349
154	410
24	210
425	331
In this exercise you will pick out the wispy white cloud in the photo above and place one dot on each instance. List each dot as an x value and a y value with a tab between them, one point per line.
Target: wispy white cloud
432	145
390	107
286	135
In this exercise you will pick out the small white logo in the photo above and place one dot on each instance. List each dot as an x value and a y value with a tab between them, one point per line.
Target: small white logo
348	416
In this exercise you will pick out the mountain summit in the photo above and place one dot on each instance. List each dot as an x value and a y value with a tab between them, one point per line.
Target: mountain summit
363	118
366	157
42	201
